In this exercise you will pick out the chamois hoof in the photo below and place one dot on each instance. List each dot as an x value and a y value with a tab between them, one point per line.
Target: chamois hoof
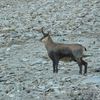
97	70
85	74
80	73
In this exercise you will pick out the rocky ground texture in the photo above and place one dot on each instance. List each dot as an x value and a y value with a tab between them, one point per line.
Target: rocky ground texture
25	69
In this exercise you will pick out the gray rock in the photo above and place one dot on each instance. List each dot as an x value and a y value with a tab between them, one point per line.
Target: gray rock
25	70
93	79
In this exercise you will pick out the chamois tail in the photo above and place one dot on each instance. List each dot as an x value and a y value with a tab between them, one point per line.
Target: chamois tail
84	48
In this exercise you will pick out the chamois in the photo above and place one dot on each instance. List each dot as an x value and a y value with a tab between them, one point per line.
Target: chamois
58	51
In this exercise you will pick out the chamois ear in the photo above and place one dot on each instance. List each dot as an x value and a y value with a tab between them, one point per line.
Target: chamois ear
49	32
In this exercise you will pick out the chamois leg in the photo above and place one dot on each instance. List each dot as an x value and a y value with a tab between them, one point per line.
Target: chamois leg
55	70
80	65
55	66
85	65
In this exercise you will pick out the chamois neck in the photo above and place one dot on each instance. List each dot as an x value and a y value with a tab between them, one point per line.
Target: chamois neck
49	44
50	40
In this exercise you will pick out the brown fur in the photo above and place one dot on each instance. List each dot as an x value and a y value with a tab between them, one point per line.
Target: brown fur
69	52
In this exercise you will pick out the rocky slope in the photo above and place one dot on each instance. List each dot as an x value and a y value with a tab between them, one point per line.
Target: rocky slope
25	69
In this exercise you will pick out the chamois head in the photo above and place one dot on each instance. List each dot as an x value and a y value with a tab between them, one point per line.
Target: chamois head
45	37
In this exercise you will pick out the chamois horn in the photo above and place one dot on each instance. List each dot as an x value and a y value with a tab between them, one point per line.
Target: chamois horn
43	31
